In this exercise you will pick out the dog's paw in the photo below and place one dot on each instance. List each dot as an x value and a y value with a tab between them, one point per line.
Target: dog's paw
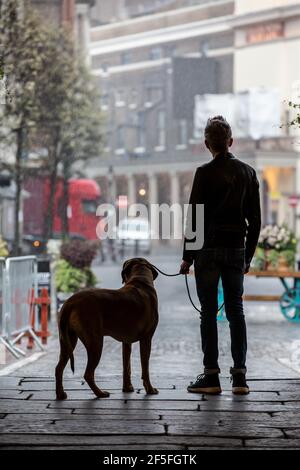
102	394
61	396
152	391
128	388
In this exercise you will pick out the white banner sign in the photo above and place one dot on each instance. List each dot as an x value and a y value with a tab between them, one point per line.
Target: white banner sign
254	113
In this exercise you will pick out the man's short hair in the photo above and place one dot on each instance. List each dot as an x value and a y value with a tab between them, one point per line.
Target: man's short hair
218	133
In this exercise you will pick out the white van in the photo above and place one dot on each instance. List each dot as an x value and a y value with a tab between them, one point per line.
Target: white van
134	232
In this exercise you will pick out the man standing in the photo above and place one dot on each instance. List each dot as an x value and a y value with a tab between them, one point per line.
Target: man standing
229	190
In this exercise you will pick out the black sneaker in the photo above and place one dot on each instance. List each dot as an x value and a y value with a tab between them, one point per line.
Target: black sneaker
239	384
206	383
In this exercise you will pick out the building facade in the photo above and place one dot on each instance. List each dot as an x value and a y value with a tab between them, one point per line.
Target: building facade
144	64
152	58
71	13
267	42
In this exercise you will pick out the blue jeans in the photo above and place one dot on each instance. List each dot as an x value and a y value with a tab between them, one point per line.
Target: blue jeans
211	264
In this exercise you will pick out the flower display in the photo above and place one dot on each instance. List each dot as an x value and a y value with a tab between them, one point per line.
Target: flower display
277	237
276	249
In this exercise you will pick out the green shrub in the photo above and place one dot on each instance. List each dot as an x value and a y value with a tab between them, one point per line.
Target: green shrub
3	248
259	259
290	257
69	279
273	257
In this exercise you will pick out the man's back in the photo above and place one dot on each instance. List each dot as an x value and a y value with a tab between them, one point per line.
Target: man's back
228	188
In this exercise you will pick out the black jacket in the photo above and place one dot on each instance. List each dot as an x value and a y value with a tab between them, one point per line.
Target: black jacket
229	190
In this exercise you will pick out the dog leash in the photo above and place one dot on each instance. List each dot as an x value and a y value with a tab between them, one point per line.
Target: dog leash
187	287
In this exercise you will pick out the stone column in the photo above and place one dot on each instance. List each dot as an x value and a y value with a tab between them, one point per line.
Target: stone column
112	188
82	30
175	200
153	200
131	191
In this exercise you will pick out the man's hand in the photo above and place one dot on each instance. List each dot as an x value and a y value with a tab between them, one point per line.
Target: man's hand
185	267
247	268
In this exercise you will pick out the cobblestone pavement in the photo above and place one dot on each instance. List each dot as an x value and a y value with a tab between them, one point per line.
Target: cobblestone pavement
268	417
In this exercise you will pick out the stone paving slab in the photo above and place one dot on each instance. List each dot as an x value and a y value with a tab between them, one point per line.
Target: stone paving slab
31	418
118	442
112	447
79	428
196	429
238	407
272	443
72	417
92	405
293	432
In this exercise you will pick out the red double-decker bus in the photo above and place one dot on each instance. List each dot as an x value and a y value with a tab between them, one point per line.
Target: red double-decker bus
84	196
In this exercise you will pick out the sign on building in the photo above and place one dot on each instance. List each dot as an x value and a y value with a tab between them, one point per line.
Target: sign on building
254	114
264	32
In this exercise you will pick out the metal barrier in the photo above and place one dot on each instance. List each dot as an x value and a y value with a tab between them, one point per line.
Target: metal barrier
2	274
19	292
4	340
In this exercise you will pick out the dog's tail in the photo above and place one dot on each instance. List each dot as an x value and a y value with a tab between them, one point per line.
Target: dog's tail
64	331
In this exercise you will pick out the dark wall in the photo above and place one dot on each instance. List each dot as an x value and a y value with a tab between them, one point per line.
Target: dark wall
192	77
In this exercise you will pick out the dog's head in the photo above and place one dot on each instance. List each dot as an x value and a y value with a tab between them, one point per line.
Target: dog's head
142	262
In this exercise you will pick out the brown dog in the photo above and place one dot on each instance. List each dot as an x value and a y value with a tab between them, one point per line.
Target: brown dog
128	315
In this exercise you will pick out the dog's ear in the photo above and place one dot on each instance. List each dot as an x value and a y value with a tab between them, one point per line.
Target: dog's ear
154	272
126	269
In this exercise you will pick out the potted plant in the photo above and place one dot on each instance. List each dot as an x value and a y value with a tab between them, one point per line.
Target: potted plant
276	248
73	269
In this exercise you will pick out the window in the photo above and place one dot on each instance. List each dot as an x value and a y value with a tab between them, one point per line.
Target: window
182	133
148	97
120	138
156	53
120	98
133	98
141	131
172	50
104	101
161	129
105	67
133	119
89	206
126	58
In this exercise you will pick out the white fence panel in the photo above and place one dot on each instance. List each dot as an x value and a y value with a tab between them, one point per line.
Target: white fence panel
19	291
